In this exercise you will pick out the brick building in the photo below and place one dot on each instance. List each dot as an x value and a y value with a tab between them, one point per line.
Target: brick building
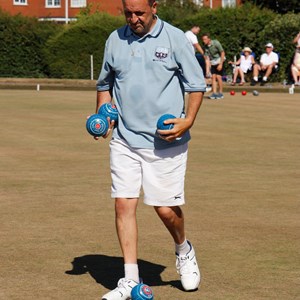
219	3
59	10
65	10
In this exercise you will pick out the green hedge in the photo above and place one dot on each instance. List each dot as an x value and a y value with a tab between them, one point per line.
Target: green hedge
282	31
21	45
29	48
68	53
249	26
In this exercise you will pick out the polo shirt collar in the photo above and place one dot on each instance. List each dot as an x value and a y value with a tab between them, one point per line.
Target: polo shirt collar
154	32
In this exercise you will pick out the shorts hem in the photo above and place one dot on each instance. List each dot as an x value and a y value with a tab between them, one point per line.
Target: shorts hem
115	195
164	204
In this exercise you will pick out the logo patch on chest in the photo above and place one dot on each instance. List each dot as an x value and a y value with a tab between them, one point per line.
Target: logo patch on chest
161	53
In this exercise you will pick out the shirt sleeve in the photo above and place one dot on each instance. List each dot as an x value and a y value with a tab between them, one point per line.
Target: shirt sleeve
219	46
106	78
190	72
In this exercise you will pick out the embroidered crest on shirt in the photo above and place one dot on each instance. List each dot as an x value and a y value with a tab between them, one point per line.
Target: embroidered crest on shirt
161	53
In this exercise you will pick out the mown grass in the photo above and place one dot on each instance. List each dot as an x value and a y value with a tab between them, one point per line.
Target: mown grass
242	211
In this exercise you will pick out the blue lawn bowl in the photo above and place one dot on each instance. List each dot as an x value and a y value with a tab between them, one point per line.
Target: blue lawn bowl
161	125
109	110
97	125
142	292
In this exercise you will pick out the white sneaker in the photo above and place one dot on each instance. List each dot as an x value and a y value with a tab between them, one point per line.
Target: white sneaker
122	291
188	270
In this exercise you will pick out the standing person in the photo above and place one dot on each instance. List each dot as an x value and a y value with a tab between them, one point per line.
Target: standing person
268	64
215	53
147	68
191	35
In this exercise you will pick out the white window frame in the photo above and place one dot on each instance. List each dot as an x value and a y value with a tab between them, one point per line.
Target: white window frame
52	5
78	3
228	3
198	2
20	2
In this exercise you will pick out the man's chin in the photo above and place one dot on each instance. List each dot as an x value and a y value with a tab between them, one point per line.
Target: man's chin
138	30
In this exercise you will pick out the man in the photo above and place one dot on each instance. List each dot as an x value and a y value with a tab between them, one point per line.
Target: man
268	64
147	68
191	35
215	54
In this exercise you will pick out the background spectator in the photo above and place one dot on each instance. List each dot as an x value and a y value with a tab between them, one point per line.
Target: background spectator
267	65
192	38
215	54
295	67
243	65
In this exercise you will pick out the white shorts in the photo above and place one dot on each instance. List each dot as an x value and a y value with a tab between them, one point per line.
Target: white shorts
160	173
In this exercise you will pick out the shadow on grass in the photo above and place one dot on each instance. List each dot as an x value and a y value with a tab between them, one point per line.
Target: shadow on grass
107	270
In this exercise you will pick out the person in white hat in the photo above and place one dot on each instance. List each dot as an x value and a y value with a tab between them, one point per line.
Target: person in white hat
243	65
267	65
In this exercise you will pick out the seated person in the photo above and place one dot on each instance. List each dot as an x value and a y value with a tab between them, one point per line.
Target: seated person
295	67
243	65
268	64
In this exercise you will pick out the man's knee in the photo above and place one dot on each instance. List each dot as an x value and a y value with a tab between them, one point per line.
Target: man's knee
169	213
256	67
295	69
125	206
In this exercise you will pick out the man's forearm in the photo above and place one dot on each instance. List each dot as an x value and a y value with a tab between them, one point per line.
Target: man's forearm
194	102
103	97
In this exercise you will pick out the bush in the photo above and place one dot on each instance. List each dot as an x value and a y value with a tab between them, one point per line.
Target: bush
68	53
281	32
235	28
21	47
172	11
249	26
29	48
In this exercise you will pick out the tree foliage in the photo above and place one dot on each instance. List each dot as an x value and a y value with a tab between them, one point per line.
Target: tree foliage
279	6
173	11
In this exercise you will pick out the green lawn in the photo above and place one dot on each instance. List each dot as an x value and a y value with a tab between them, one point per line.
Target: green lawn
242	211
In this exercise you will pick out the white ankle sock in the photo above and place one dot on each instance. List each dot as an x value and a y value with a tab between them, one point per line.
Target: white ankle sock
265	78
183	248
255	78
132	272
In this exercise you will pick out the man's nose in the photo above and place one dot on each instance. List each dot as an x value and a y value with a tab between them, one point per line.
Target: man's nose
133	18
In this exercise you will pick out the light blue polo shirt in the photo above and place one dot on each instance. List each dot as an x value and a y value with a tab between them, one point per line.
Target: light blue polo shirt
149	76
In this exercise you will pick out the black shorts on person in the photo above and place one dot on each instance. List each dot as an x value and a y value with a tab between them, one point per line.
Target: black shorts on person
214	70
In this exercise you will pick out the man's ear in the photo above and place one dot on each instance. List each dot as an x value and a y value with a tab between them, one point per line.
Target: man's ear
154	7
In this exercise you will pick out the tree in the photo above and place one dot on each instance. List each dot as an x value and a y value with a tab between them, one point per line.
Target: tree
173	11
279	6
